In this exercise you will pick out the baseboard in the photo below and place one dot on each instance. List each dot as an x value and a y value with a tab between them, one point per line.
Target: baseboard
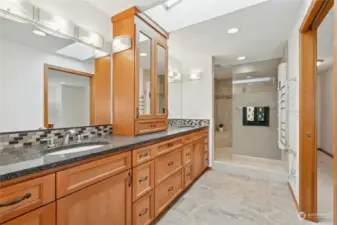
325	152
294	197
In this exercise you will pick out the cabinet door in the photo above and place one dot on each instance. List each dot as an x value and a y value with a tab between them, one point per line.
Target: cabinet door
105	203
144	75
45	215
161	81
198	158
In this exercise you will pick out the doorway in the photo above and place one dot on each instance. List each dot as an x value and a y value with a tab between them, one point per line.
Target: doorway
308	175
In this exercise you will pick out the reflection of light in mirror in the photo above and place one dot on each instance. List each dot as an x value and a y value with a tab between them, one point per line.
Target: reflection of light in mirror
100	54
143	54
77	51
39	33
174	75
254	80
16	7
319	62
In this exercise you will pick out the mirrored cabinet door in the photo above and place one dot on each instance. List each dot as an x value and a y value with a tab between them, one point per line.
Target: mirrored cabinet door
161	79
144	56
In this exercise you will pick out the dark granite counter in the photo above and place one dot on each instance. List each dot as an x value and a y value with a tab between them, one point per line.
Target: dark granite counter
15	163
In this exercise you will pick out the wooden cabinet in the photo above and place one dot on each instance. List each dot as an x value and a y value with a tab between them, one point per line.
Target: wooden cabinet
167	191
168	164
188	174
143	210
140	82
198	157
26	196
143	179
105	203
45	215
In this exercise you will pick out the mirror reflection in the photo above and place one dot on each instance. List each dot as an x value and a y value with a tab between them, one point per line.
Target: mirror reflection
175	88
161	77
144	102
25	50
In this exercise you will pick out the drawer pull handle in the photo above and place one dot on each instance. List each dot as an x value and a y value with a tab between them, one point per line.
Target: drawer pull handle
189	174
170	163
170	144
143	212
27	196
143	179
187	154
143	155
170	188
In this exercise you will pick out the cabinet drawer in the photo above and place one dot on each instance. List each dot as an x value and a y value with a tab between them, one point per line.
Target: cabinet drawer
79	177
167	191
143	210
168	146
26	196
167	164
45	215
187	139
143	180
187	154
150	126
188	174
142	155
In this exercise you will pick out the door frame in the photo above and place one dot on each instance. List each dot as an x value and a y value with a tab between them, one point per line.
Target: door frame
48	67
307	110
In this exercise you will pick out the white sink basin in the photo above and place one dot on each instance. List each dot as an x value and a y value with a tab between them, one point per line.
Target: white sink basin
76	149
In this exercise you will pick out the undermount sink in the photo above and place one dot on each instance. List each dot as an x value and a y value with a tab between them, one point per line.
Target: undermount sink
75	149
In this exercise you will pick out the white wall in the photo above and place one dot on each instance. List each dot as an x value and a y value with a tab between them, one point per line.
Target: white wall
293	72
22	72
325	91
198	95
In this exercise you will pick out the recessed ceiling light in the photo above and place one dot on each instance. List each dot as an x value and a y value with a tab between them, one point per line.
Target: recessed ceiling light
39	33
242	58
143	54
319	62
249	77
233	30
171	3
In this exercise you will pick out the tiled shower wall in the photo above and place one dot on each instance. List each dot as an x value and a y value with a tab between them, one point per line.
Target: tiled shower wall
36	137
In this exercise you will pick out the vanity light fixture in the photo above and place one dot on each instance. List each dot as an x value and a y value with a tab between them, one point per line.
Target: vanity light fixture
143	54
319	62
195	75
39	33
121	43
233	30
169	4
242	58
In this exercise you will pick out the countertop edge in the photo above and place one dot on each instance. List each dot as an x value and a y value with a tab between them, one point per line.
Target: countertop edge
29	171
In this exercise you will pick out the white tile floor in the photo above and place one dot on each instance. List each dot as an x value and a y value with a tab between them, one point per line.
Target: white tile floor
218	198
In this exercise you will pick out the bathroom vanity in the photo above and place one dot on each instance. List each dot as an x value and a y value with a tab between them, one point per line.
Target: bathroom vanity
131	180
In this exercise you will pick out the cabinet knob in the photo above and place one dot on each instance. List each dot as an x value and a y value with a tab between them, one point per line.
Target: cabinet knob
170	163
170	188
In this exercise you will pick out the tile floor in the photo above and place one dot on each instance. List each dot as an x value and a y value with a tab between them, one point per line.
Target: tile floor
221	199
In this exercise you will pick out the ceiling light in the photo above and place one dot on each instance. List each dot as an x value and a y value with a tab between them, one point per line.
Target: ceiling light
143	54
254	80
171	3
99	54
39	33
319	62
249	77
233	30
242	58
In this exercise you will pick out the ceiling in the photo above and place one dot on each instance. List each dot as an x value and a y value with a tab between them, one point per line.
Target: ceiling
266	68
264	30
325	42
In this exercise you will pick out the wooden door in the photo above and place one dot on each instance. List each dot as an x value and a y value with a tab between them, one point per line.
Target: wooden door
45	215
105	203
198	158
161	81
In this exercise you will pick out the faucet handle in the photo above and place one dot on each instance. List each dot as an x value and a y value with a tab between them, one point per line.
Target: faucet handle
50	142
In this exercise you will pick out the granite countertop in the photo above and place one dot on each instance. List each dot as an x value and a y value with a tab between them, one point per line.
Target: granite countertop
15	163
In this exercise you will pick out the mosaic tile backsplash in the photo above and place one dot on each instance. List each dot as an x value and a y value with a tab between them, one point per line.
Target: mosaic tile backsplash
29	138
188	122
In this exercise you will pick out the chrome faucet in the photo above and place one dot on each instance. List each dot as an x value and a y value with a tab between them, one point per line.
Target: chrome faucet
66	136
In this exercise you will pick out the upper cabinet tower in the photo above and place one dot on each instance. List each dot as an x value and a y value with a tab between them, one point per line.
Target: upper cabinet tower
140	74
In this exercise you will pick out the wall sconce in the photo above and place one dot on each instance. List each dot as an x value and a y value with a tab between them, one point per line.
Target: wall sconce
121	43
195	75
